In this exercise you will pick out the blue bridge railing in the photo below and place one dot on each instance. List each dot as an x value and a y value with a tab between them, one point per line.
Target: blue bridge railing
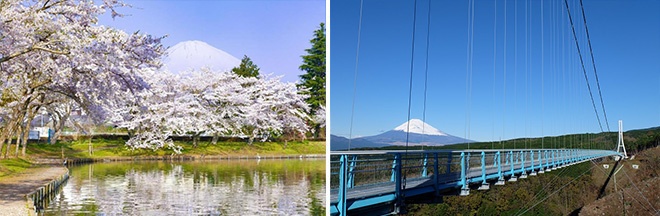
381	179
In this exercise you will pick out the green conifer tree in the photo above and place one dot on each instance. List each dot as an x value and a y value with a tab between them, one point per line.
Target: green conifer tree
247	68
313	81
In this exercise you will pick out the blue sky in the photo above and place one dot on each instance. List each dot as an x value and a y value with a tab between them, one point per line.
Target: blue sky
273	33
625	36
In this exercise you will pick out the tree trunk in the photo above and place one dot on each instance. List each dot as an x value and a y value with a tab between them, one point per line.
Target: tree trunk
317	130
6	137
250	140
131	133
214	141
26	129
11	138
26	136
91	136
19	134
2	146
195	140
59	127
3	138
52	139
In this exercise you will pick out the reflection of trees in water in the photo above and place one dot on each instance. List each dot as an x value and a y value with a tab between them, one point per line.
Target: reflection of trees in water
288	187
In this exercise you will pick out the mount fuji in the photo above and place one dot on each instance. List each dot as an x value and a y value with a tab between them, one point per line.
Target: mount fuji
421	133
195	55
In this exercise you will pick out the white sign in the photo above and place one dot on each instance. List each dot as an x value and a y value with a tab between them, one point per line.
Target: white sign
33	135
43	131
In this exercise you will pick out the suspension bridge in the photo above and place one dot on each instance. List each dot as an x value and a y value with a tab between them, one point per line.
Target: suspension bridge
377	182
374	182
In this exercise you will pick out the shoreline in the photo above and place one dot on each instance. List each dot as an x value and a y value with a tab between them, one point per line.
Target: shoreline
73	161
15	188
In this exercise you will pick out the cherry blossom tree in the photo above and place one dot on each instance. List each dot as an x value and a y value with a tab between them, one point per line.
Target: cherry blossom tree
56	47
218	103
54	56
275	107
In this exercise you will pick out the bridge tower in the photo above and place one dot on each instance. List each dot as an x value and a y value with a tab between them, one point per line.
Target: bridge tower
620	144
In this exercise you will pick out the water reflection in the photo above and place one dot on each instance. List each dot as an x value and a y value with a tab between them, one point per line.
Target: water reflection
248	187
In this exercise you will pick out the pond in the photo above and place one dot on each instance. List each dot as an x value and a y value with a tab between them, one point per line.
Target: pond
221	187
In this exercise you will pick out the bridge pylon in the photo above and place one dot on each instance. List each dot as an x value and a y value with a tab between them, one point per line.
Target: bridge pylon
621	145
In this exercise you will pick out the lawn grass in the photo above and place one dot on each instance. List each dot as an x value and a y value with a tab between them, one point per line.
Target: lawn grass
107	148
114	148
14	165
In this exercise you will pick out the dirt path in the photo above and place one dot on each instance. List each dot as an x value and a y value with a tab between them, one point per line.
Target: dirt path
14	188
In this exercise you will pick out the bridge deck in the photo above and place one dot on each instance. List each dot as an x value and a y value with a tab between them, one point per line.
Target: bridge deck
477	165
448	180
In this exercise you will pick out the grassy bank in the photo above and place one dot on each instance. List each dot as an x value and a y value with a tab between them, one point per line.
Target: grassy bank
14	165
104	148
113	148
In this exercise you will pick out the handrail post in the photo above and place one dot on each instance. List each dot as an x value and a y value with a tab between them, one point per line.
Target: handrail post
500	181
393	169
341	202
531	157
449	159
554	160
573	158
548	165
397	182
484	184
464	189
513	173
435	173
425	158
541	164
523	175
351	178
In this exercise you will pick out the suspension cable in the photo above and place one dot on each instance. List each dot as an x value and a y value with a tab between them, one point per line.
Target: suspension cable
515	67
624	191
471	70
527	6
504	79
640	192
412	57
494	58
542	81
545	186
593	62
468	72
582	62
426	67
357	55
553	193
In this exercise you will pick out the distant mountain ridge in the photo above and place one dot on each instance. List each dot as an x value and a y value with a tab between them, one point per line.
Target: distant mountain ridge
341	143
421	133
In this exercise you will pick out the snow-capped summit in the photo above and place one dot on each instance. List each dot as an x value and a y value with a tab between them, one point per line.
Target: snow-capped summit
195	55
420	127
420	134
